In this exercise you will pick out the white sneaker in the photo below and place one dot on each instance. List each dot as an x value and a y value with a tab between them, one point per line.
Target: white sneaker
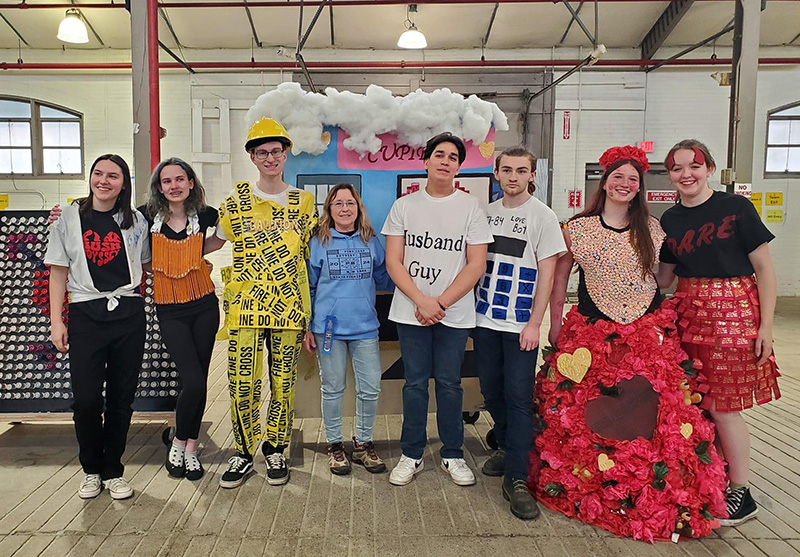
403	473
118	488
459	471
91	486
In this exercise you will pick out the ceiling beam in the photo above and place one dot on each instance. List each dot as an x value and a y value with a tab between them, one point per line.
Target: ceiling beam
663	26
728	28
252	25
569	25
17	33
577	19
162	12
489	27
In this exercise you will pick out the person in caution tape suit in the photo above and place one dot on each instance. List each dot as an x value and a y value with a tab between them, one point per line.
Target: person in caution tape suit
266	300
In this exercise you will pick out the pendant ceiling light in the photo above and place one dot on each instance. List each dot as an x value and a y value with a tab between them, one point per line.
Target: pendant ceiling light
72	28
412	37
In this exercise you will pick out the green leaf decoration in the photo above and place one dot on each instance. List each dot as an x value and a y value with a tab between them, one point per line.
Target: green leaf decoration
701	450
554	489
555	406
660	469
688	368
660	484
603	448
705	513
565	385
547	350
610	483
626	503
612	337
609	391
544	369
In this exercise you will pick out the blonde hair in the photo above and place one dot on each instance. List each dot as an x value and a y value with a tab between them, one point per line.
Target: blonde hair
362	224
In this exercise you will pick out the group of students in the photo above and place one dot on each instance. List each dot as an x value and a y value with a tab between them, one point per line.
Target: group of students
456	267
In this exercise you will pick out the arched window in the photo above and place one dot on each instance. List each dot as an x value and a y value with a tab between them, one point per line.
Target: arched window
783	142
39	140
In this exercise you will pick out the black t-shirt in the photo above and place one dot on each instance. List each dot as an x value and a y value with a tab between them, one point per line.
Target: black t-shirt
207	218
108	267
105	251
713	239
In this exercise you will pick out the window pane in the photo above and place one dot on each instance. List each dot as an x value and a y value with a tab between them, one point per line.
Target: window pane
21	162
793	111
777	158
15	109
61	161
778	132
21	134
61	134
794	132
5	161
47	112
794	160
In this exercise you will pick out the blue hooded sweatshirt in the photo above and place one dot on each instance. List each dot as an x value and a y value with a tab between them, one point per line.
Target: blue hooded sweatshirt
343	277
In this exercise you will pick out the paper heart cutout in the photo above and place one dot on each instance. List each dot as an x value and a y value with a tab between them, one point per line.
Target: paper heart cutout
486	149
686	430
604	463
630	414
574	366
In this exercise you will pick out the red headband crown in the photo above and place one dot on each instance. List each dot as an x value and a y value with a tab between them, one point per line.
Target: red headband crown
627	152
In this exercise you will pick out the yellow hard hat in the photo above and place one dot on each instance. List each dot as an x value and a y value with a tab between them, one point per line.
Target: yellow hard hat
266	129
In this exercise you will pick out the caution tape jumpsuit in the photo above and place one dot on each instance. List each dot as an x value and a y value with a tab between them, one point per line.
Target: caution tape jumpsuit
266	299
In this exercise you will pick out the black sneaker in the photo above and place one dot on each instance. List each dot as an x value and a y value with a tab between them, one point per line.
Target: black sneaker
277	469
194	470
495	465
175	462
523	505
740	506
239	467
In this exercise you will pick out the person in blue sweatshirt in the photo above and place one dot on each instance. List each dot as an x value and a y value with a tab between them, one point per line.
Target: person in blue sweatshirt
345	267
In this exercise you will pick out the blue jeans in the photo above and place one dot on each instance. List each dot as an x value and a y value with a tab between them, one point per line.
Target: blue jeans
507	377
436	351
332	373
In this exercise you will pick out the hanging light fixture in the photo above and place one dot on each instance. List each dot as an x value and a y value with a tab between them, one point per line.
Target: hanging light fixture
412	37
72	28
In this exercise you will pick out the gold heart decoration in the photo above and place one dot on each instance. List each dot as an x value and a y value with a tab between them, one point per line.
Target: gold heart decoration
604	463
486	149
574	366
326	138
686	430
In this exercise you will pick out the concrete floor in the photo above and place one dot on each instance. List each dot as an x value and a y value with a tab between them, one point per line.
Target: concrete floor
361	514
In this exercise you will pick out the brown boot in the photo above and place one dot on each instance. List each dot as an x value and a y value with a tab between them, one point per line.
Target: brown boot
366	456
337	459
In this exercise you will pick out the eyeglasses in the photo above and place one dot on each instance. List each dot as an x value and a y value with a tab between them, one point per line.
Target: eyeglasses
262	154
342	204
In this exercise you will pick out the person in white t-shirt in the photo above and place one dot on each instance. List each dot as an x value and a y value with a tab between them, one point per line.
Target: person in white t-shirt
436	241
512	299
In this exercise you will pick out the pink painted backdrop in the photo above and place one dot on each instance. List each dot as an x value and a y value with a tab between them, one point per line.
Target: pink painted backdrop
395	156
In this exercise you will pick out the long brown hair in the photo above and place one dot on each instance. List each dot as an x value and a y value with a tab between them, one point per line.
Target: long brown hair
362	224
123	203
638	216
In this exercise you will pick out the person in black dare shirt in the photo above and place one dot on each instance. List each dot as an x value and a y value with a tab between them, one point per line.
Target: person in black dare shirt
718	247
100	244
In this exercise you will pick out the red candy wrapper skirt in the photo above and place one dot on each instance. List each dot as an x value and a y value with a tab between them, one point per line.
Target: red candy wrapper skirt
718	320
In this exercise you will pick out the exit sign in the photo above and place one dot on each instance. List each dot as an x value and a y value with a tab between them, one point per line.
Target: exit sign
646	146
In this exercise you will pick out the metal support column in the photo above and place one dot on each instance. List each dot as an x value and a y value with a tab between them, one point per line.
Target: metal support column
741	126
140	81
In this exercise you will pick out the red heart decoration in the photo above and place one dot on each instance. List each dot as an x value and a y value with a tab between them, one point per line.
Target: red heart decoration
101	251
632	413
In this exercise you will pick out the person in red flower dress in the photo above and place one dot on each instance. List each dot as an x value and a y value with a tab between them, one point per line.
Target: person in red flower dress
718	247
623	445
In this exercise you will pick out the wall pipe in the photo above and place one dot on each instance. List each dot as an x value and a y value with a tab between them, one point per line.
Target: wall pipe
291	3
378	65
152	76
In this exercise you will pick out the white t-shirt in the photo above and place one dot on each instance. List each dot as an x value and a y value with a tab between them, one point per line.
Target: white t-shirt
279	198
522	236
437	231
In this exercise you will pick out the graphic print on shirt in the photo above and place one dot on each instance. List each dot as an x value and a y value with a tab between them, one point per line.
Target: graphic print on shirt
427	242
502	253
702	236
350	263
101	251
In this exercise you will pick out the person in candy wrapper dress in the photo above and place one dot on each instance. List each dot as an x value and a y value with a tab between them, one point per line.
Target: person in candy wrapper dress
623	446
719	249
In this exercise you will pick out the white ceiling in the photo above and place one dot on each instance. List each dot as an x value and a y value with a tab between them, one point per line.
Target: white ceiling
370	26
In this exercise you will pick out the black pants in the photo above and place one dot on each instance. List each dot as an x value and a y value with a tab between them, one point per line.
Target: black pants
104	353
189	337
